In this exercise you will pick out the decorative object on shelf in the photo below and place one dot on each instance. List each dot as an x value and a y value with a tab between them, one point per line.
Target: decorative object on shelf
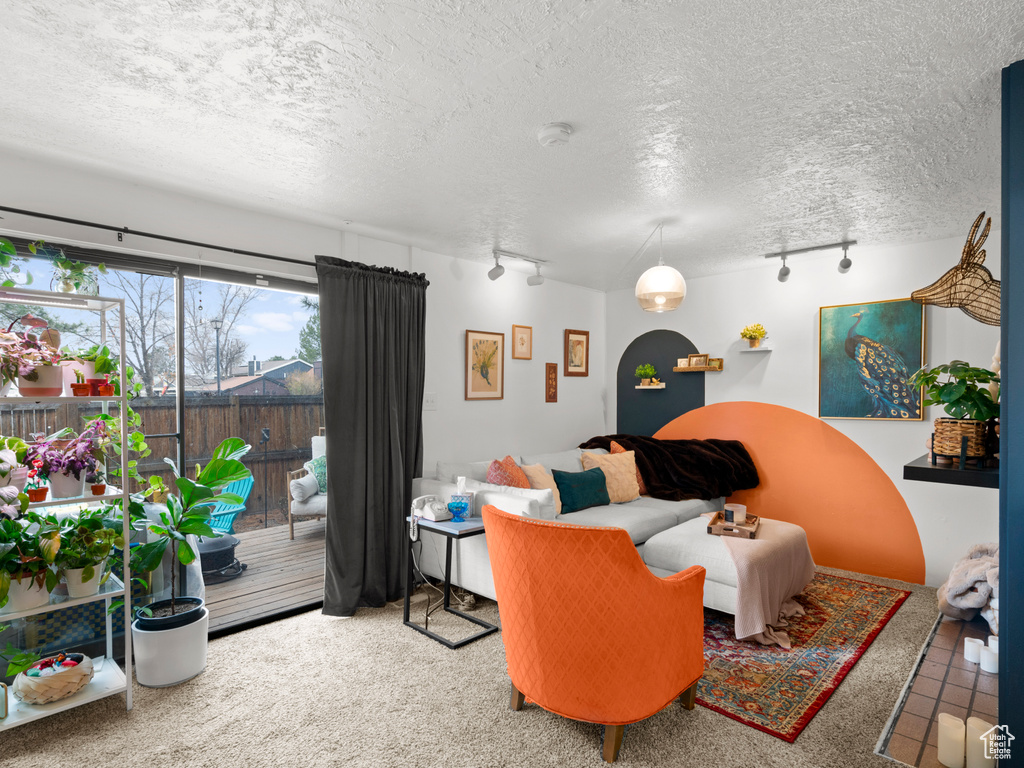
682	362
106	389
716	363
98	486
485	365
965	396
457	509
660	288
699	360
753	334
844	263
577	353
78	387
968	286
866	354
69	276
645	372
522	342
53	678
550	382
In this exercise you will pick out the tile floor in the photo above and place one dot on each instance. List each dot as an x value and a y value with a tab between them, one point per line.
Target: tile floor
944	683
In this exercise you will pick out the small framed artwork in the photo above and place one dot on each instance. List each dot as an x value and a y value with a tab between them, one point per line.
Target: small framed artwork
522	342
699	361
550	382
715	363
683	362
485	365
577	353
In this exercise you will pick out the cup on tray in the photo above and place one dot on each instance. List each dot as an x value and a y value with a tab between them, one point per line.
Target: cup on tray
739	513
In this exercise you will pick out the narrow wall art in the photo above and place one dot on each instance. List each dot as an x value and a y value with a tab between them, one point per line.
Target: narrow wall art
485	365
577	353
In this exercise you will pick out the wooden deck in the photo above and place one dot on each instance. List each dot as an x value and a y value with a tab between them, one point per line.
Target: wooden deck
281	575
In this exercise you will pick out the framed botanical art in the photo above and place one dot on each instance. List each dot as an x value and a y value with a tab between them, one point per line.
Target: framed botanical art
522	342
550	382
699	360
577	353
485	365
866	356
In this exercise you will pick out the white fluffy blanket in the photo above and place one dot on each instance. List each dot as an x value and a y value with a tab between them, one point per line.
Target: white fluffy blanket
972	583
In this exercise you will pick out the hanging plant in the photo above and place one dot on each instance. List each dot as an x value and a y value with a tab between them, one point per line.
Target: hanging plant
69	276
10	266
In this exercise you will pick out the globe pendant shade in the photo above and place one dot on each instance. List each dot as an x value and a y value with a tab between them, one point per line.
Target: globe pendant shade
660	289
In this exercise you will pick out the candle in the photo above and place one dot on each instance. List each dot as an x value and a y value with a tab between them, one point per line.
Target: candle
739	513
972	649
951	740
993	643
990	660
976	728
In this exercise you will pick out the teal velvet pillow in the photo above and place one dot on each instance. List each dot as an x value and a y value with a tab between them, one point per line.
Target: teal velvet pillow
318	469
580	490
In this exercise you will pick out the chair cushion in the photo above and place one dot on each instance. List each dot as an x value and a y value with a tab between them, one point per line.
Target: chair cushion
616	448
580	490
619	473
314	505
683	510
540	479
639	522
319	445
318	468
304	487
507	472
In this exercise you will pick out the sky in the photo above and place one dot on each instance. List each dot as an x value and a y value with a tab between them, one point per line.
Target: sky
272	324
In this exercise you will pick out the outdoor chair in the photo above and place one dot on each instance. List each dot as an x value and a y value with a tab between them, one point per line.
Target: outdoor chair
304	497
222	516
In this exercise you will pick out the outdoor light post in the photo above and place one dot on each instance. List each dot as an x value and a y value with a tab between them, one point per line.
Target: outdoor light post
217	325
264	439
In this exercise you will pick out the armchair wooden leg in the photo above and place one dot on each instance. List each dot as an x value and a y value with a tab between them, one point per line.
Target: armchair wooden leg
291	526
688	698
517	698
612	742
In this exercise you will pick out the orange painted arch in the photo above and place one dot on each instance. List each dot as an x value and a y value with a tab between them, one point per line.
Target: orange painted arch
816	477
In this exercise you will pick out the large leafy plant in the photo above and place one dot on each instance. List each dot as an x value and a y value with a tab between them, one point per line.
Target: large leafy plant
956	387
86	541
189	511
28	549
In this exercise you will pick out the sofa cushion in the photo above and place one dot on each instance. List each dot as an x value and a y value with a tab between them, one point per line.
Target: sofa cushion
540	479
471	470
566	461
507	472
616	448
314	505
304	487
545	498
640	523
580	490
318	468
683	510
619	474
690	544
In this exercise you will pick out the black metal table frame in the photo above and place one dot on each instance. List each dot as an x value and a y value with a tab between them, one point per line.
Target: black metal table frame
449	536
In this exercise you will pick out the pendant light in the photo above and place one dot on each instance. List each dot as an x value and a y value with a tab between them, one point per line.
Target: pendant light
660	288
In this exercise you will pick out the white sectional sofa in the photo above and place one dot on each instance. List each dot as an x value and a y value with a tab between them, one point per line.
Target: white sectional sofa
643	519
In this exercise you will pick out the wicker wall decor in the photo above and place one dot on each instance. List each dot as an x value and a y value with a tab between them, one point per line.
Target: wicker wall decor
968	285
43	690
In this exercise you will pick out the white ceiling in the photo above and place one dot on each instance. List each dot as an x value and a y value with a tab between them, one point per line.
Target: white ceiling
748	126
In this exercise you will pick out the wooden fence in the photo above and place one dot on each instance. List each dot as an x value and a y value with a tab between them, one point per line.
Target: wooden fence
292	421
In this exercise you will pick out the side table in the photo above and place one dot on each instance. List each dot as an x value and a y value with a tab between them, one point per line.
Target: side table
451	531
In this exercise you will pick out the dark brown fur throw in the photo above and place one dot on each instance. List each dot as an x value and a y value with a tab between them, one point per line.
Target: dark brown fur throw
687	469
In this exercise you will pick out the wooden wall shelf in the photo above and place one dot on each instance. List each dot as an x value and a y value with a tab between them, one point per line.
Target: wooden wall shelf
699	369
650	386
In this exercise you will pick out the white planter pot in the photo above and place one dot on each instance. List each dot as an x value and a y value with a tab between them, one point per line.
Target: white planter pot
24	595
50	382
16	477
79	588
5	389
170	656
66	486
68	367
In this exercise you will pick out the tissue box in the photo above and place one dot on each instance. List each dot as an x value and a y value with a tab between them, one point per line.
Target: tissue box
468	498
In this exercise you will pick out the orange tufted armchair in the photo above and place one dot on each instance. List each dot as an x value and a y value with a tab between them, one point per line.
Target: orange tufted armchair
589	632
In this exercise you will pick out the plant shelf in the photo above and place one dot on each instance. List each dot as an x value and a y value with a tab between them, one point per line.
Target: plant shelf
109	679
650	386
79	500
112	588
26	400
699	369
754	350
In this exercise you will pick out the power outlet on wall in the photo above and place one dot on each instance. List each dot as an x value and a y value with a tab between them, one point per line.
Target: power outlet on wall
430	401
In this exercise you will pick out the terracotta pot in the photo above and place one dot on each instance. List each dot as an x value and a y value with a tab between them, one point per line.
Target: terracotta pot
81	390
105	390
87	367
98	489
37	494
754	343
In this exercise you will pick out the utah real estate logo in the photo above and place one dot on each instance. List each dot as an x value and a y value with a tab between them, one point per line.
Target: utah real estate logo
997	742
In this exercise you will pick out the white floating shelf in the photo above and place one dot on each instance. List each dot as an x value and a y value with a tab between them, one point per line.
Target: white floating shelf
756	349
650	386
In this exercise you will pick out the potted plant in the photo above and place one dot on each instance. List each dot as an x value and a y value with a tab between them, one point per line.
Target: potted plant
645	373
69	276
13	502
66	458
93	362
86	541
170	636
753	334
12	457
28	548
106	389
963	392
157	490
31	362
78	387
97	483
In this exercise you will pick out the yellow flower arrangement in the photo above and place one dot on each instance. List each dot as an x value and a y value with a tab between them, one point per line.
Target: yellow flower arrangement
755	331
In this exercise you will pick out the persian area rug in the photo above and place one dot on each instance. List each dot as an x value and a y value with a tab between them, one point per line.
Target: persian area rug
779	691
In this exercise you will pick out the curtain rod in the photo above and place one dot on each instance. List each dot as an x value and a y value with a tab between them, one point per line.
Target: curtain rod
167	238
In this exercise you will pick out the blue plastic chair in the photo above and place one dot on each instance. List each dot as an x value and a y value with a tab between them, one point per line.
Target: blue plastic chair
222	516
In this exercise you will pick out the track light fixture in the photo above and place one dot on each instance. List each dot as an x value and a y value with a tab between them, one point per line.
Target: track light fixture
537	279
844	265
498	270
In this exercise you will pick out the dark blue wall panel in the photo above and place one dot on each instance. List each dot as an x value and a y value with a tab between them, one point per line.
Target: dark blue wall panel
644	412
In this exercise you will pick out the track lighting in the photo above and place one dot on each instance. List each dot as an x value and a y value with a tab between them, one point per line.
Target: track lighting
537	279
844	265
784	272
498	270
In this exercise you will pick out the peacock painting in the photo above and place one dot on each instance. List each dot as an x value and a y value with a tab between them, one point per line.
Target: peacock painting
868	353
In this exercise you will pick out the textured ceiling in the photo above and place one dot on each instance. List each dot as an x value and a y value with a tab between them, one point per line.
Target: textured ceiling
748	126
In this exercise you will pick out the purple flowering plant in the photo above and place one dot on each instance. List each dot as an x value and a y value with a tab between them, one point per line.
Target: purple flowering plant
66	453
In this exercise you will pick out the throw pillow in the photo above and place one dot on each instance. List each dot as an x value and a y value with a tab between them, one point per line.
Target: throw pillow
620	470
545	498
507	472
540	479
580	490
616	448
304	488
318	469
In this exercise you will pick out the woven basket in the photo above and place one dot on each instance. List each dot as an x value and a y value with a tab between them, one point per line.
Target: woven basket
43	690
948	434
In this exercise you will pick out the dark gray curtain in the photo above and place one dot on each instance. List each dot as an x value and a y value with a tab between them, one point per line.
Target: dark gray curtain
372	335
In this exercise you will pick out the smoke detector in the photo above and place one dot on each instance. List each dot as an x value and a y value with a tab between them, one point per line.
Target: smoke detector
554	134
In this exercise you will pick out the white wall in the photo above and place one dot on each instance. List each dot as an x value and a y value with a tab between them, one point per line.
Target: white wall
949	518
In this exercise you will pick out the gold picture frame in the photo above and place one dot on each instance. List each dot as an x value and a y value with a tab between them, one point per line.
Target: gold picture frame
485	365
577	353
699	360
522	342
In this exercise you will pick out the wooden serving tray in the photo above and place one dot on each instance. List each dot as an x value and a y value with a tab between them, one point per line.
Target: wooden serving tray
748	530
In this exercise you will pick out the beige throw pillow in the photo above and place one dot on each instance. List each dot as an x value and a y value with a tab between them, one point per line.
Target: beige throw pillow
540	479
619	472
